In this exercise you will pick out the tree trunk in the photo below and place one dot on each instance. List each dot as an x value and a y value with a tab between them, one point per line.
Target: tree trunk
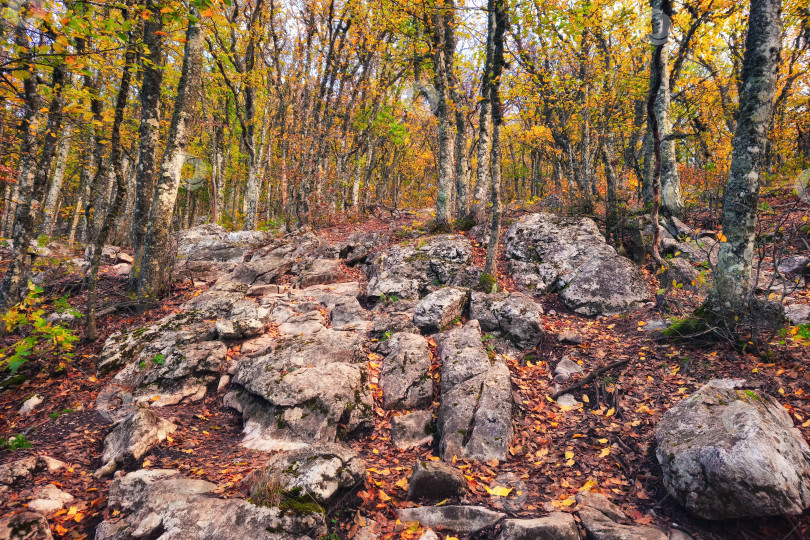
612	203
148	132
55	189
671	200
156	246
116	169
444	47
497	21
732	292
24	225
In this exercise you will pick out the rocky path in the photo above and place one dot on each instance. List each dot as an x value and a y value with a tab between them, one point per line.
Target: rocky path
312	373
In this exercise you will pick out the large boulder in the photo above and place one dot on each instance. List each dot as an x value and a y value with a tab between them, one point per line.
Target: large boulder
132	438
301	388
316	473
412	429
404	378
475	415
25	526
439	309
159	504
460	519
411	271
49	499
728	452
513	314
548	253
555	526
293	254
211	242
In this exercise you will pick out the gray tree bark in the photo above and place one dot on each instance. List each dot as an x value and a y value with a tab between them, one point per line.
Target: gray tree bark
152	277
732	293
55	189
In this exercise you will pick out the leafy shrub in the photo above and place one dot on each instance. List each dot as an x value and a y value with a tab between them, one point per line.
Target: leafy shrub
15	442
27	320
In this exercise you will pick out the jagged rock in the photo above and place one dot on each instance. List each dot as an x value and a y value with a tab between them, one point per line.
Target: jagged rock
319	272
601	527
121	269
358	246
439	309
25	526
796	266
516	315
434	481
22	471
48	499
410	271
412	429
601	503
211	242
159	504
318	472
571	338
300	391
605	286
565	369
246	319
460	519
404	377
132	438
730	453
30	404
476	403
568	401
798	313
549	253
555	526
290	255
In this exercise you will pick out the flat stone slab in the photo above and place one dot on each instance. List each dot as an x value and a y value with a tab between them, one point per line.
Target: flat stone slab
460	519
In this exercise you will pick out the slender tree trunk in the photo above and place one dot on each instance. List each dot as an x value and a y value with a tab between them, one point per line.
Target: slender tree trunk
497	21
148	132
152	276
731	293
116	168
24	225
671	200
612	203
444	46
55	189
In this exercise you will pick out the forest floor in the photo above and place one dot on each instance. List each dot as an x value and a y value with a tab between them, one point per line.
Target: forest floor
608	443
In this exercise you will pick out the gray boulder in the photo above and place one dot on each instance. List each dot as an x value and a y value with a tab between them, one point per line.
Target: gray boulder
25	526
434	481
159	504
555	526
796	266
605	286
798	313
20	472
460	519
474	418
320	271
48	499
410	271
404	378
513	314
730	453
601	518
548	253
412	429
246	319
301	390
315	473
132	438
211	242
439	309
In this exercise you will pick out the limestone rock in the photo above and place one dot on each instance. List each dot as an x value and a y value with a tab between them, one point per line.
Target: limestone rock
30	404
22	471
798	313
318	472
48	499
404	377
601	527
211	242
514	314
410	271
555	526
25	526
460	519
439	309
320	271
132	438
549	253
476	403
245	320
159	504
412	429
434	481
731	453
796	266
